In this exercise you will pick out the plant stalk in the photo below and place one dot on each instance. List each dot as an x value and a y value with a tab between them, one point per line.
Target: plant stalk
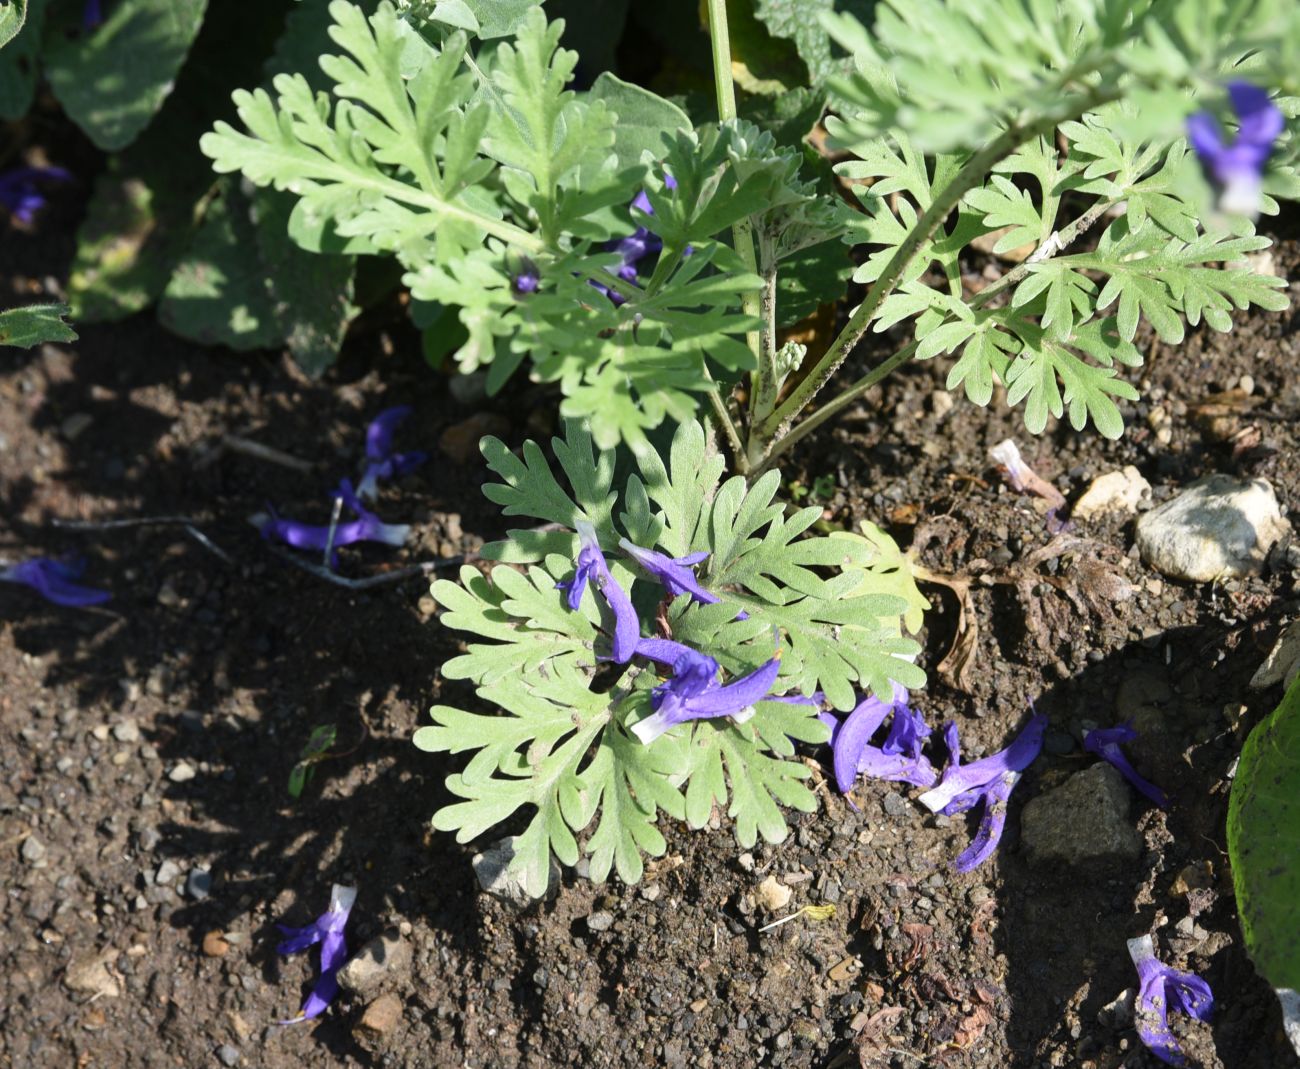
833	407
974	171
742	234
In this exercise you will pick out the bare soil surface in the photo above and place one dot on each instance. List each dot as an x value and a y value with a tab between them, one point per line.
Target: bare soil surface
155	737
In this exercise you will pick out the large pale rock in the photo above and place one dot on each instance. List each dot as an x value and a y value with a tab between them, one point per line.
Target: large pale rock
385	958
1218	528
1083	820
1282	664
1116	491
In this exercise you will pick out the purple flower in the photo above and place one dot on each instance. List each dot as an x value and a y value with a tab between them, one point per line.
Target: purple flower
673	572
1238	168
694	693
20	190
327	930
1161	989
988	780
382	462
1106	742
526	282
55	581
590	565
899	759
91	15
641	245
367	527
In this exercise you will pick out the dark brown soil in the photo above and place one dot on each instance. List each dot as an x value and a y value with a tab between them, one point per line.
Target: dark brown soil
227	667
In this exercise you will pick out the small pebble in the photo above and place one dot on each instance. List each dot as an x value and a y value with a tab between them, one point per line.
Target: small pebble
127	731
215	944
33	850
600	921
229	1055
182	773
166	872
198	884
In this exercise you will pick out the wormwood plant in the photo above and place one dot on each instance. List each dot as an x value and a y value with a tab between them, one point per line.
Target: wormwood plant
646	262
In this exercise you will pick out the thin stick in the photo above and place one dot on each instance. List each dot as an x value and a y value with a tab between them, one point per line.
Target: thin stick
398	575
237	444
185	522
334	526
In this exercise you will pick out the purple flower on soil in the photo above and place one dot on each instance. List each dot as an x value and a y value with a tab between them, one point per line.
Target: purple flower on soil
1106	742
327	930
591	565
20	190
673	572
1161	989
55	581
899	759
1238	168
694	693
382	461
367	527
988	780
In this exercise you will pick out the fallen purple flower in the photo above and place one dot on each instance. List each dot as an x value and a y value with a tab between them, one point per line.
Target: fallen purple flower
55	581
327	930
1160	990
591	565
367	527
673	572
1106	742
1238	168
382	462
898	760
694	693
988	780
20	192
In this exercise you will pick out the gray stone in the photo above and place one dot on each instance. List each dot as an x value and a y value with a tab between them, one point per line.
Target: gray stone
1218	528
492	867
127	731
386	957
167	872
198	884
600	921
33	850
1085	819
229	1055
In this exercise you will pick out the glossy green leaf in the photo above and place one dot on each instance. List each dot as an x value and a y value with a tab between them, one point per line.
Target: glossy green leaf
112	79
1264	842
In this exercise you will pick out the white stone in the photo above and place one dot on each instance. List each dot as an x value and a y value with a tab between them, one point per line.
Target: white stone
1116	491
1218	528
774	895
1282	664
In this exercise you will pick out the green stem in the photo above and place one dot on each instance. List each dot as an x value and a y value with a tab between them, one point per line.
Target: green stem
729	428
834	407
742	234
1059	241
974	172
764	389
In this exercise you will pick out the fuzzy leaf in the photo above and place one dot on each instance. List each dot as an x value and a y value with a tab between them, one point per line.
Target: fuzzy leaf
34	324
